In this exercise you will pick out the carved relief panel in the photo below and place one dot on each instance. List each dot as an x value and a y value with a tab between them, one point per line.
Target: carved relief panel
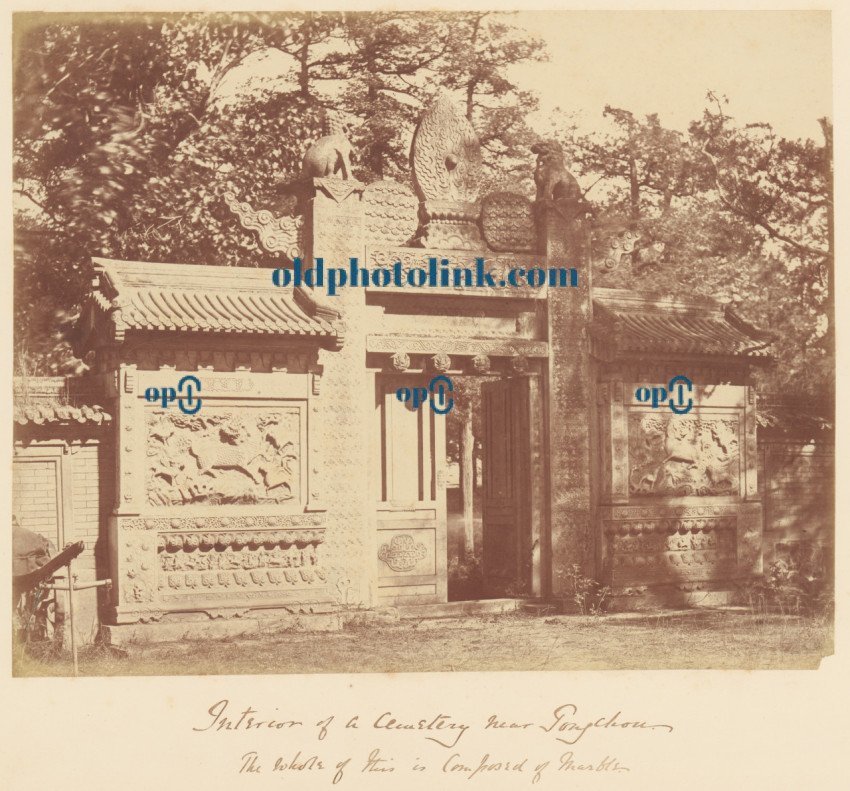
677	496
224	456
683	455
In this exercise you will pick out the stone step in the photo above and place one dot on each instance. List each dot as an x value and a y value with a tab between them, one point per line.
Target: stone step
460	608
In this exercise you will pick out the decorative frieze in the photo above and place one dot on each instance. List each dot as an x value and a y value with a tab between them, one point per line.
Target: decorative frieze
494	347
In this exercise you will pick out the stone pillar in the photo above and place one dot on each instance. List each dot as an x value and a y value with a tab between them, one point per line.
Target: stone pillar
467	481
343	412
571	414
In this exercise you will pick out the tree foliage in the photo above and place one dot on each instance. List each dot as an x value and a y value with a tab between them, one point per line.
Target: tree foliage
129	129
734	212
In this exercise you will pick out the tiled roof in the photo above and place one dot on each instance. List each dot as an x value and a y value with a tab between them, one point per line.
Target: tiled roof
634	323
43	413
197	298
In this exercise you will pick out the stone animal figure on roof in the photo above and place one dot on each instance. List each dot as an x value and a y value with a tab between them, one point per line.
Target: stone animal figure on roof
330	156
554	182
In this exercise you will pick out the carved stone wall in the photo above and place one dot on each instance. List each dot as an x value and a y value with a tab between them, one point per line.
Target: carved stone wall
679	496
218	565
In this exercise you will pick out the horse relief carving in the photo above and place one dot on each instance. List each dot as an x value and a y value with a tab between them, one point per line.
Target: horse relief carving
680	455
223	457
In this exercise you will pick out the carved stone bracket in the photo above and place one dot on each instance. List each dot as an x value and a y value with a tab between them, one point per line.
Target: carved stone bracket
400	361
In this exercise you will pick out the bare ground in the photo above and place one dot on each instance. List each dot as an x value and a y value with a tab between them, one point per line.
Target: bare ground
714	639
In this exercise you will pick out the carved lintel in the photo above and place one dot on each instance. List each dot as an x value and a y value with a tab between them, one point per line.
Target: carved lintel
495	347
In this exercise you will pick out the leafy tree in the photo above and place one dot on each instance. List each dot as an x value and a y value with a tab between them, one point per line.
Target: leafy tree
482	48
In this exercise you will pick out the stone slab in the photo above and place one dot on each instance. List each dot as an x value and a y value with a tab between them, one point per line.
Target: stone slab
460	608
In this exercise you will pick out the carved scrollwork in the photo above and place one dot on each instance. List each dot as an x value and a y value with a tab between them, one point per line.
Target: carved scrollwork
402	553
276	234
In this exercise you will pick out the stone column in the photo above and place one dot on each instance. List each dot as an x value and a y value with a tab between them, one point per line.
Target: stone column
343	410
571	388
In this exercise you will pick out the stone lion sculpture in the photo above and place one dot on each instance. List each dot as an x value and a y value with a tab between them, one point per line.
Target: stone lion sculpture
554	182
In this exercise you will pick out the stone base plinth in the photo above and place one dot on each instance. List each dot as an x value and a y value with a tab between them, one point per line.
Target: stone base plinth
123	635
665	598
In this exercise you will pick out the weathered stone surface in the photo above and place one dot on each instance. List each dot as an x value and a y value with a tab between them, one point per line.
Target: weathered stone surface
507	220
390	213
446	154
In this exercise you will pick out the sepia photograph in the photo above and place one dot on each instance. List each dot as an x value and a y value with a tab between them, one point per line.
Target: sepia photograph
404	340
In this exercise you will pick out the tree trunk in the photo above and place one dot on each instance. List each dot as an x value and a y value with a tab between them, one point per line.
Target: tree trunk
634	189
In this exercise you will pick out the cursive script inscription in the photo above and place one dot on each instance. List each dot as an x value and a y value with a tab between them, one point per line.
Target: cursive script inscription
245	722
439	723
562	724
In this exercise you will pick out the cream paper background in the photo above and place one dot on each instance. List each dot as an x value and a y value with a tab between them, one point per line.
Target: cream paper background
744	729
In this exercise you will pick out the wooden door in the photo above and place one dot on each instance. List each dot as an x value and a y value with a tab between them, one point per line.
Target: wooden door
510	553
411	523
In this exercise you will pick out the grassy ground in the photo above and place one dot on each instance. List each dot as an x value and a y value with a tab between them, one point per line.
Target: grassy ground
700	639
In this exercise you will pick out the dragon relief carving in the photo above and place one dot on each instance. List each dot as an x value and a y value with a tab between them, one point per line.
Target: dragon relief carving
678	456
223	457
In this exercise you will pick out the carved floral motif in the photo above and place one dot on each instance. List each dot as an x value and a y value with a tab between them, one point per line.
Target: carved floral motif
390	212
507	220
402	553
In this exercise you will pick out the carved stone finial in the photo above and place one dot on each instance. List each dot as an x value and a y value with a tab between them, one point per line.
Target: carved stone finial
446	154
446	159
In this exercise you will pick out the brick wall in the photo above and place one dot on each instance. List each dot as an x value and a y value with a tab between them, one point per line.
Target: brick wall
35	497
63	491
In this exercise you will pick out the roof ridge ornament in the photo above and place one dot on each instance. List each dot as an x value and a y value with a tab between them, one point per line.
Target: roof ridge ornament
276	234
445	154
445	157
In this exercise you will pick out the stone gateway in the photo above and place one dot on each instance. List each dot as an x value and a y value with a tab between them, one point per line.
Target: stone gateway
305	486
